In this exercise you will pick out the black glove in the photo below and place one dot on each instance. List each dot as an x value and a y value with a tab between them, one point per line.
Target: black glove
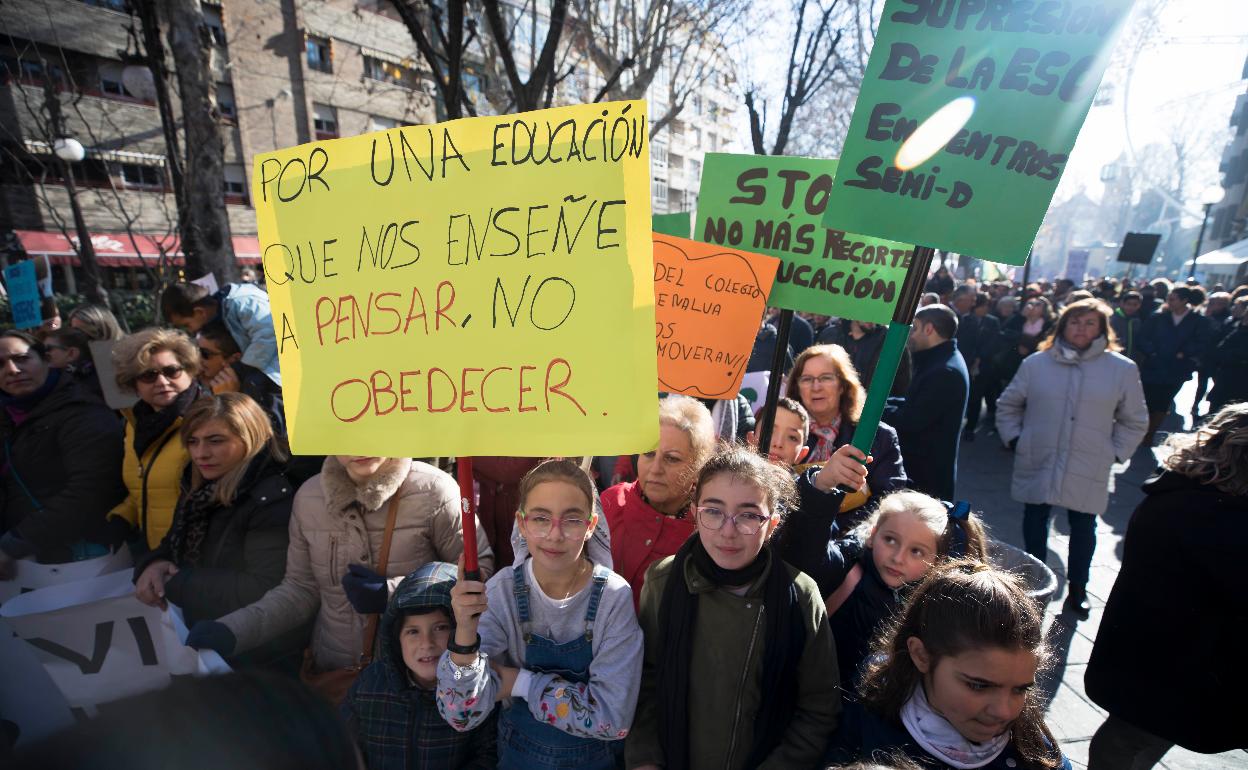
211	635
366	590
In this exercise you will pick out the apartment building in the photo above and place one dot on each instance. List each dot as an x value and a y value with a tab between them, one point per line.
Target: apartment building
1228	220
286	72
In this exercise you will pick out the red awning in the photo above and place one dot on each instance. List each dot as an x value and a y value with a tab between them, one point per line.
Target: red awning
118	249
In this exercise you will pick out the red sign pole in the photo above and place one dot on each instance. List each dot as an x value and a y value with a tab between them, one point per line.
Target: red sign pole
468	506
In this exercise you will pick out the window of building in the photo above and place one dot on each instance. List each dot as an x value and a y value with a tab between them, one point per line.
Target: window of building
139	175
325	121
695	171
659	189
658	156
112	5
378	123
31	72
379	7
235	183
214	22
389	72
474	87
320	54
110	80
225	101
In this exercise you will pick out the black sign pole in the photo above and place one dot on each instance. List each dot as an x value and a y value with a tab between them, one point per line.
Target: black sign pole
773	385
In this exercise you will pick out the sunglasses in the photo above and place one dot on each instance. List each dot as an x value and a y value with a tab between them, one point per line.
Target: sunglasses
168	372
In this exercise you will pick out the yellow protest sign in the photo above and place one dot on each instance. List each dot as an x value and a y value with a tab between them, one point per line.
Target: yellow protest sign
476	287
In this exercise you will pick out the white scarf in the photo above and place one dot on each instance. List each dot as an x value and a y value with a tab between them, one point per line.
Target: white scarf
939	738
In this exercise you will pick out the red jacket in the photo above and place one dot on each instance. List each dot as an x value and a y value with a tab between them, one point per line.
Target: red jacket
640	535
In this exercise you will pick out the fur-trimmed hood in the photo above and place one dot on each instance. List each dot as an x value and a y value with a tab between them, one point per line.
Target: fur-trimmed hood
341	493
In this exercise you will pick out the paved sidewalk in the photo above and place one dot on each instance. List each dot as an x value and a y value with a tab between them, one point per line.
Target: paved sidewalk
984	479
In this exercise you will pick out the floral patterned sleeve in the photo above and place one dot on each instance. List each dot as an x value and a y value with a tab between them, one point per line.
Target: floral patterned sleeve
467	696
601	708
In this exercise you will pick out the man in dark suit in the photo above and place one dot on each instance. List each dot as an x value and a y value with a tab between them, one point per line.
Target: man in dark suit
929	420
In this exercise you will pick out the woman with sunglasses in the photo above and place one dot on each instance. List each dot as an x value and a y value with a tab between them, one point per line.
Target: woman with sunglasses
60	460
159	366
740	667
555	635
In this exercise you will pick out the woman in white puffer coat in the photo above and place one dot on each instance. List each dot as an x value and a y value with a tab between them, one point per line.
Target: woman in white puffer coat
1074	408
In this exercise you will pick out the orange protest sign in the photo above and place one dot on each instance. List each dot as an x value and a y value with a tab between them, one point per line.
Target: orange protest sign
708	301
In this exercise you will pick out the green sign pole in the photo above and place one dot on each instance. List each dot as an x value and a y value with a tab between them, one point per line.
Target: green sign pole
890	353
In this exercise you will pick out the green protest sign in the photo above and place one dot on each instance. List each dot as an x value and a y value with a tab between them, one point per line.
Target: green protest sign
1026	71
676	224
774	205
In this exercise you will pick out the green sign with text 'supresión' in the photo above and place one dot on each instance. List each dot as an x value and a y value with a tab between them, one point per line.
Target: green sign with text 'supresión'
1025	70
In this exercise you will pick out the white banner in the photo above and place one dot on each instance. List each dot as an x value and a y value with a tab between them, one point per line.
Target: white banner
31	576
754	388
98	643
28	696
102	359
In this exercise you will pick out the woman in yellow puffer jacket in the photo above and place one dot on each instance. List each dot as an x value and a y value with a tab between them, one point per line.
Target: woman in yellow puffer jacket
158	365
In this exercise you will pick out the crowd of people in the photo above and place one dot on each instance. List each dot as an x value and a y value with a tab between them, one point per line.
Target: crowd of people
708	604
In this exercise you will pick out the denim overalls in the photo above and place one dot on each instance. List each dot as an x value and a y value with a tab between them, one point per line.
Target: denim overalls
524	742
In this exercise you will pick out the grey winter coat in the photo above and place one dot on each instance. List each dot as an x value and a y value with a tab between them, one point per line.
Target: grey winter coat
1074	414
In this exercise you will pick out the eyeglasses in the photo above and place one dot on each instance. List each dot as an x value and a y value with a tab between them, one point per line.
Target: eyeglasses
541	525
826	380
746	523
206	353
168	372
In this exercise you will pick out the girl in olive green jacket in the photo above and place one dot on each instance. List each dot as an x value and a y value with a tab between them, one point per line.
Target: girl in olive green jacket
740	666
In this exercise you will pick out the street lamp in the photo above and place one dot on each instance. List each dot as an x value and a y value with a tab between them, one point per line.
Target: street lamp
68	149
1210	197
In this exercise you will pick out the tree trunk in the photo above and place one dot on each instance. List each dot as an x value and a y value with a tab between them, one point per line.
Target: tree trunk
154	58
205	152
93	286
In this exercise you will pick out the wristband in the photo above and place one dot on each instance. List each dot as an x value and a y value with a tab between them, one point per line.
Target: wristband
464	650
